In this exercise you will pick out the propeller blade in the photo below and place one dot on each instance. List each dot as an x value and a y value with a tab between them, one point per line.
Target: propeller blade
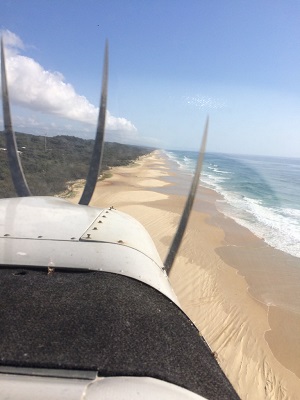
188	206
14	161
96	159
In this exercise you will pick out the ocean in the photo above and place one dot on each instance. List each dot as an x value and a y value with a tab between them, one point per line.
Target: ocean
259	193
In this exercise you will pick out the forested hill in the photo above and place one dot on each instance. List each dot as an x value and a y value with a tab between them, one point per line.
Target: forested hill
49	163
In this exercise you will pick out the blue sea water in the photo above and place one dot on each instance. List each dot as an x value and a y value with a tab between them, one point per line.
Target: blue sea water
259	193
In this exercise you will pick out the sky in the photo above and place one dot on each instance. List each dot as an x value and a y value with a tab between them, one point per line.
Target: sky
172	64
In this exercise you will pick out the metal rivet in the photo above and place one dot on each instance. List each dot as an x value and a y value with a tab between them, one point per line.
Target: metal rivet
51	270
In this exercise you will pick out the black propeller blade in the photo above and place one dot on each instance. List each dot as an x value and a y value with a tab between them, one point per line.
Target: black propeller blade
16	170
188	206
96	160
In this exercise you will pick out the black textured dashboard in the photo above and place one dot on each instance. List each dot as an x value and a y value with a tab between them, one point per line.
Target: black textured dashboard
105	322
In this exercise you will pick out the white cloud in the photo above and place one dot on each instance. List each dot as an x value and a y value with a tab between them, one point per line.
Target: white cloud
206	102
12	41
35	125
35	88
115	123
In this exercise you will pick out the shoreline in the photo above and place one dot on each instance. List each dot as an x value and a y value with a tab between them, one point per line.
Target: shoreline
211	276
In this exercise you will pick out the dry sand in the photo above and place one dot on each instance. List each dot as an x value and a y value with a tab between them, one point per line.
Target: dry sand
242	295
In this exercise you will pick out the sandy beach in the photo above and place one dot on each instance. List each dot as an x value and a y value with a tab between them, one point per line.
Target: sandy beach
240	293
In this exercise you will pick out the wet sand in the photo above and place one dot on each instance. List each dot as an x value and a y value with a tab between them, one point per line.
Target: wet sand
242	294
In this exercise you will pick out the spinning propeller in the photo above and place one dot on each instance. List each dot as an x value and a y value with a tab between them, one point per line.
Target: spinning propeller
19	179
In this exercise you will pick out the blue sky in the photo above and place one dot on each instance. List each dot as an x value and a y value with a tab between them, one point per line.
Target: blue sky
172	62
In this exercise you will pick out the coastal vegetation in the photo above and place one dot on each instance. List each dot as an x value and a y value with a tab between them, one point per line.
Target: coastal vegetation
49	163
